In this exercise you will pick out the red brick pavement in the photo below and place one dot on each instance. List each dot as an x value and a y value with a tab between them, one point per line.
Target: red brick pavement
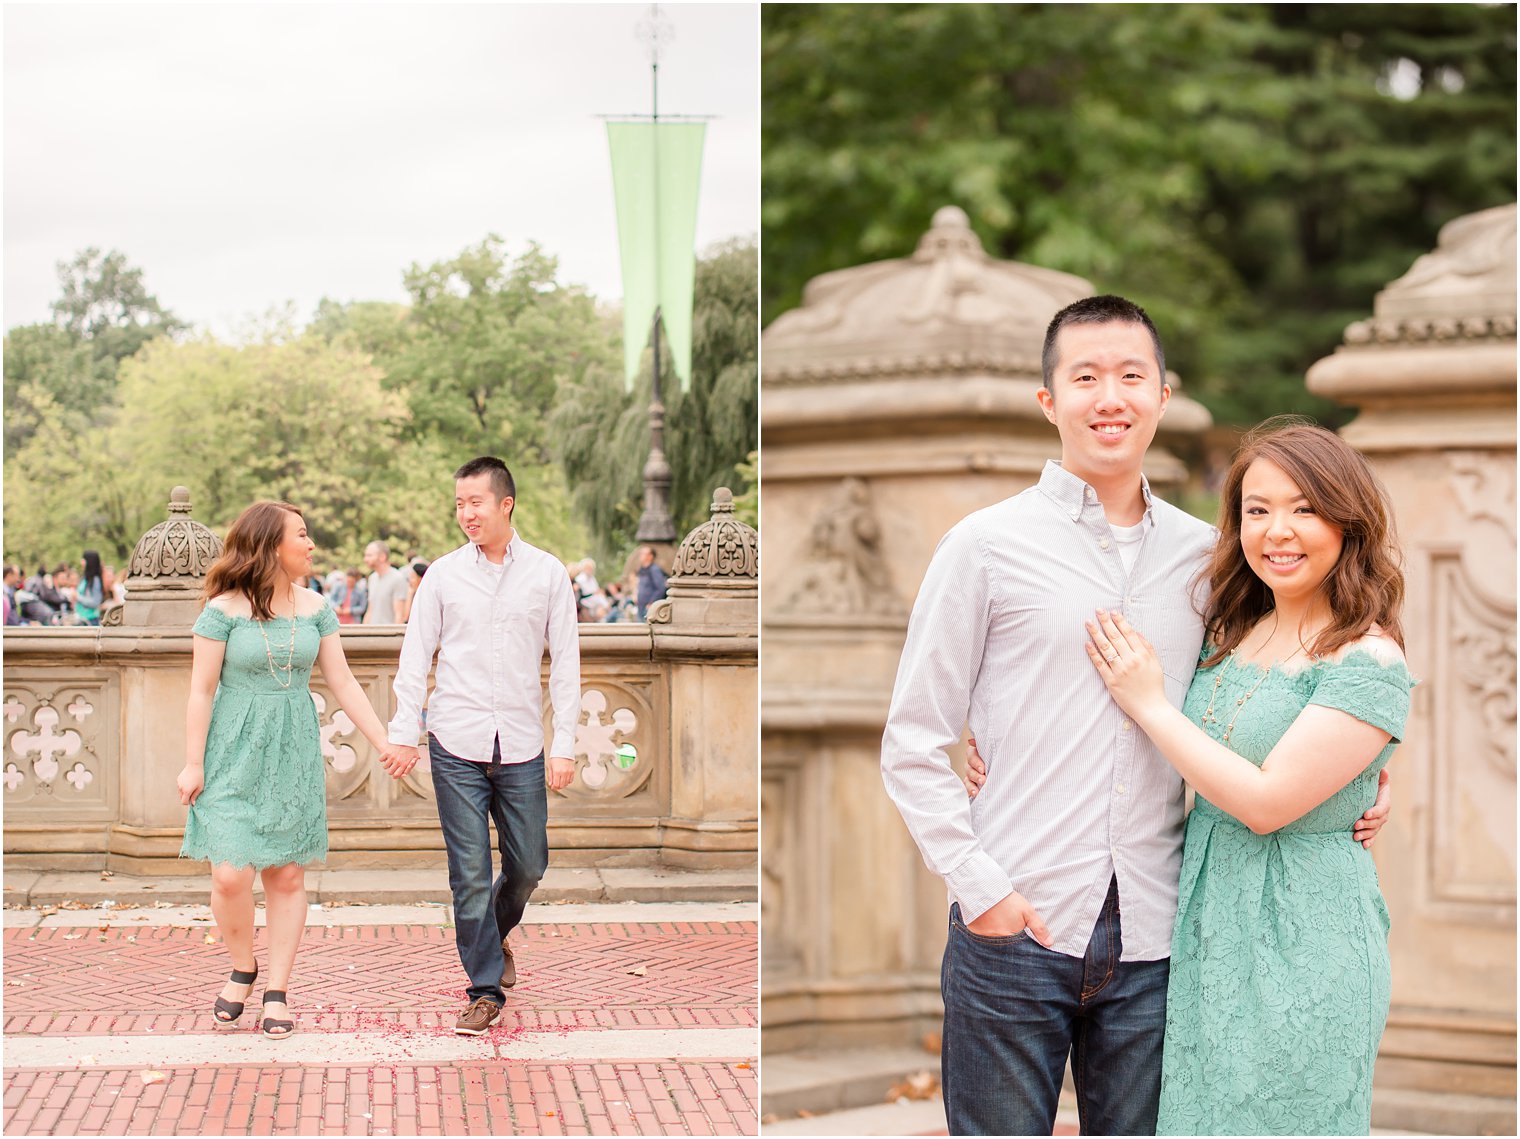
491	1098
140	979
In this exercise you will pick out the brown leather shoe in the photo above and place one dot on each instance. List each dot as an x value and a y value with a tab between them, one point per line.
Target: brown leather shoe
508	966
477	1018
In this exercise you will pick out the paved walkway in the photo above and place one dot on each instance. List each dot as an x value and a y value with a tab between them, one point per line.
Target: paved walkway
634	1018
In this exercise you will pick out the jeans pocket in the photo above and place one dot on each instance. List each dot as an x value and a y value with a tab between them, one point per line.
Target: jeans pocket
982	938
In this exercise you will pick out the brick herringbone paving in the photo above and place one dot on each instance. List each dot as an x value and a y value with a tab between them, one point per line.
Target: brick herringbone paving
78	989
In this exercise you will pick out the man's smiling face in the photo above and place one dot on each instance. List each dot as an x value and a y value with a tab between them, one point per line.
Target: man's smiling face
1106	398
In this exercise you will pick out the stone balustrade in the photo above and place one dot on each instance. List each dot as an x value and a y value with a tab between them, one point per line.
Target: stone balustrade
666	756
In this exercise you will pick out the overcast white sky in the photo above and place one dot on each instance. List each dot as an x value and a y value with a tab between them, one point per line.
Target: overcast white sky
244	154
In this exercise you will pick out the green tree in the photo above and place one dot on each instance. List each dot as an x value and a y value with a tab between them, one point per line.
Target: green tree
1250	173
102	316
490	341
601	432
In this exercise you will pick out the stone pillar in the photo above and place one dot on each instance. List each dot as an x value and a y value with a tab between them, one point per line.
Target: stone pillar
898	398
1433	373
707	631
165	578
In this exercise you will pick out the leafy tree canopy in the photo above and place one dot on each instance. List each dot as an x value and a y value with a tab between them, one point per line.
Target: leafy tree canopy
1250	173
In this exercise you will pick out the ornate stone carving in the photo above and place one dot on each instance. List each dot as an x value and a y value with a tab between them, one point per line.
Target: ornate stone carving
1435	330
51	758
722	547
606	742
177	548
1469	274
614	738
339	756
844	569
1485	487
1473	677
949	308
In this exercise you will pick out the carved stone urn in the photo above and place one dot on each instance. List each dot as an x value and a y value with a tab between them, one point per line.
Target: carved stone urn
168	569
716	575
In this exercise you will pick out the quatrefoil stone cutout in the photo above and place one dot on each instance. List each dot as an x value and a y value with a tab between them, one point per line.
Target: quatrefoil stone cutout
13	777
46	744
341	756
598	738
80	776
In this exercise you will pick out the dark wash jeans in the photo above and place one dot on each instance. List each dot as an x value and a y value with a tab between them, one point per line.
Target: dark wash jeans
1014	1010
514	796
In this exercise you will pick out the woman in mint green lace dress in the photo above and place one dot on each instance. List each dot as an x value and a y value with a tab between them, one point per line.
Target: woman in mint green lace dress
254	778
1280	975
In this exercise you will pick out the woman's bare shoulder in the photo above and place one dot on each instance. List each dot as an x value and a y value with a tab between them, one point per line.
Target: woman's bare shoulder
309	602
1375	643
232	604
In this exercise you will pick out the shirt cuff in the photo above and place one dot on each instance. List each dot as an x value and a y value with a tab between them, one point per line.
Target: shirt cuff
399	735
563	745
978	884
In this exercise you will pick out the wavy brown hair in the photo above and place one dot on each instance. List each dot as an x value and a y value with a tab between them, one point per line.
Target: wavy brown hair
1366	585
249	564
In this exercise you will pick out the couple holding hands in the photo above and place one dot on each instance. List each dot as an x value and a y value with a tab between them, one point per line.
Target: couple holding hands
254	777
1223	975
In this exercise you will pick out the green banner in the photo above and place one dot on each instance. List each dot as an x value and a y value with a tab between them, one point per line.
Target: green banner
656	168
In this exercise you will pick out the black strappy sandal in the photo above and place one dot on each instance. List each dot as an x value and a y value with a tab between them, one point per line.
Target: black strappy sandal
227	1012
283	1028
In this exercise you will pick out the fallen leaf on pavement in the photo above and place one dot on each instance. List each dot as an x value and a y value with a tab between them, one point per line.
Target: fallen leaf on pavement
741	1065
770	1117
210	938
931	1043
920	1085
107	875
87	1059
804	1113
151	1077
72	936
639	972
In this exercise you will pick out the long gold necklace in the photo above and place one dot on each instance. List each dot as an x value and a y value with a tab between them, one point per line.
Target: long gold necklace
290	659
1208	713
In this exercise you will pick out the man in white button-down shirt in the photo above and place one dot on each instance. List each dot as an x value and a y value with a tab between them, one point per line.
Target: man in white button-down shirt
486	610
1078	811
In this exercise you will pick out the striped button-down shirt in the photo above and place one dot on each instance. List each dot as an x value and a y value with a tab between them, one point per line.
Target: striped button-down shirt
1075	793
488	625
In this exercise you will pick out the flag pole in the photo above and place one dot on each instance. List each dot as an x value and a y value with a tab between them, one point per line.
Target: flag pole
656	527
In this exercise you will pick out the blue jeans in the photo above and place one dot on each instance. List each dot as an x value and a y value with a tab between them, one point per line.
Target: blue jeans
514	796
1013	1012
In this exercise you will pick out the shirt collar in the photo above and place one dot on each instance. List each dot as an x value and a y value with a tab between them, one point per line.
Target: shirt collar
514	547
1073	495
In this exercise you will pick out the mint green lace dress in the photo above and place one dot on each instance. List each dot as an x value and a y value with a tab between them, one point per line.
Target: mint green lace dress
264	802
1280	977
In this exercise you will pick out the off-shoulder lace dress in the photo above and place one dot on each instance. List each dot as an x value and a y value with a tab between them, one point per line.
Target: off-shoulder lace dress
1280	976
265	797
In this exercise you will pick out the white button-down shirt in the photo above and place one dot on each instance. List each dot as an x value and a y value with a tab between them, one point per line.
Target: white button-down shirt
1074	793
488	625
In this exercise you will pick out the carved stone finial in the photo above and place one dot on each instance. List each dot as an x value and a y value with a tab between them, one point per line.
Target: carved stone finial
168	569
1462	291
722	547
949	309
177	548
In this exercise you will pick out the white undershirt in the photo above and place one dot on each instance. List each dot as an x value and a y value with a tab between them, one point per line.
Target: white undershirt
1128	538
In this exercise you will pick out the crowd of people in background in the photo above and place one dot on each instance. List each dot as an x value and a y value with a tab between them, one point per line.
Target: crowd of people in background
627	599
66	595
